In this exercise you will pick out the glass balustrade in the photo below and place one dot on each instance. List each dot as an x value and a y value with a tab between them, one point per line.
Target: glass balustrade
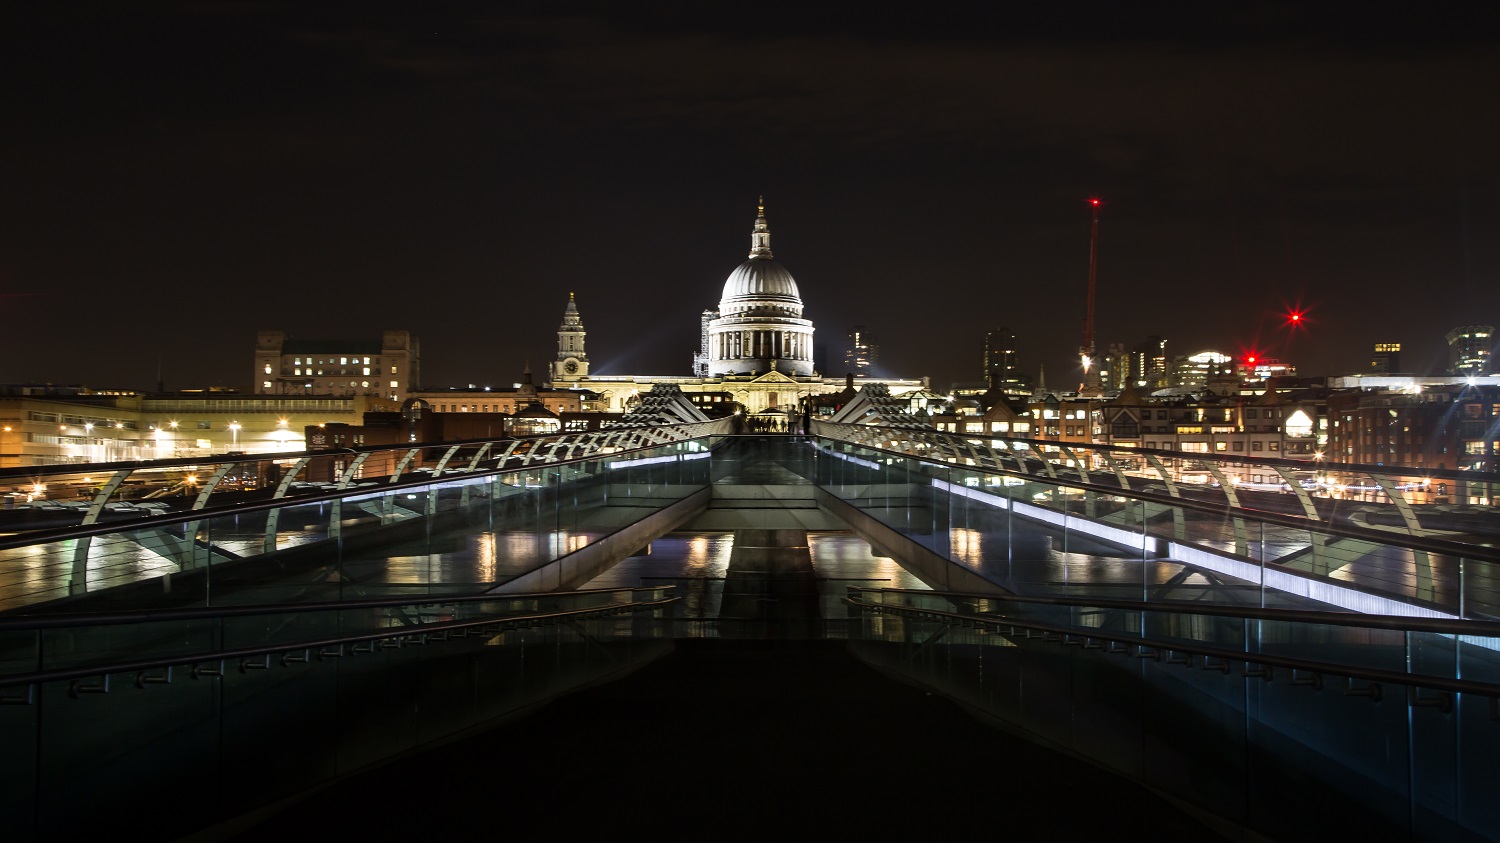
1042	527
1246	717
179	746
460	532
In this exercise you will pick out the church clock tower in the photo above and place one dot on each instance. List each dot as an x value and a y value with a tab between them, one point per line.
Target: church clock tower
571	363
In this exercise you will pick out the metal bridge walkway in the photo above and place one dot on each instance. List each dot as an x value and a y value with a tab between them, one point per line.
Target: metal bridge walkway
742	740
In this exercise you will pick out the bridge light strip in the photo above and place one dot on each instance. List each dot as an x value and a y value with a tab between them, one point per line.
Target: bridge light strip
1284	581
1328	593
656	460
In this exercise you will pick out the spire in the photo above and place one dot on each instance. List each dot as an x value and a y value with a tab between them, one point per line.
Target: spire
760	239
571	320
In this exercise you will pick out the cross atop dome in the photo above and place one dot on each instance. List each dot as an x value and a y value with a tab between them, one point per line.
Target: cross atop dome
760	239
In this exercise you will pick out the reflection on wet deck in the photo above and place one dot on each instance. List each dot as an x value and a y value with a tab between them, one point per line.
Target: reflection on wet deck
698	563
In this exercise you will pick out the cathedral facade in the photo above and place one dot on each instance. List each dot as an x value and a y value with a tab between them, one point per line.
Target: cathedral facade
758	326
755	348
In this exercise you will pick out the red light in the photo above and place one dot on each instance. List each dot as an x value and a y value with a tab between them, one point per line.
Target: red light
1093	201
1296	317
1250	359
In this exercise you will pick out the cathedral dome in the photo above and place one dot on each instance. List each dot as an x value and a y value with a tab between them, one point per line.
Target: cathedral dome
759	282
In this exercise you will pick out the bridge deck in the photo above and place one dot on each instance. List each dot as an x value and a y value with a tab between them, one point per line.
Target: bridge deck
744	740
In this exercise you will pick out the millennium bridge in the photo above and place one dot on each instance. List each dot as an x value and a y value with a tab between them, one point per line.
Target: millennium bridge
262	643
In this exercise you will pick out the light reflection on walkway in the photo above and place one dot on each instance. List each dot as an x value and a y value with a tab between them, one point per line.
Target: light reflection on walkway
696	564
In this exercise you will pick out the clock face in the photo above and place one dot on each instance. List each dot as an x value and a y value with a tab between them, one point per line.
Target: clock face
571	367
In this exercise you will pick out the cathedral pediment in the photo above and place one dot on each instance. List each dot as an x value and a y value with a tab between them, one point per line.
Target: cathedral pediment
772	377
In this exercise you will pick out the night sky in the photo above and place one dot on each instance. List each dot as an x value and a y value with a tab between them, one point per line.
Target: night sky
175	177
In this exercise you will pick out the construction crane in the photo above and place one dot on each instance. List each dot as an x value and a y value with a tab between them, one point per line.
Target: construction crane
1090	359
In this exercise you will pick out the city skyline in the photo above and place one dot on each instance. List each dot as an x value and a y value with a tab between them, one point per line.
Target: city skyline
179	179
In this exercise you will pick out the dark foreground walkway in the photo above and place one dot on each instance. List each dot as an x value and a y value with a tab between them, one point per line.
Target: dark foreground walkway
739	740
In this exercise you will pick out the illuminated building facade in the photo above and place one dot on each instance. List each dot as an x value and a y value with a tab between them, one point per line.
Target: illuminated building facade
1002	367
1254	369
1114	368
1469	350
759	326
862	353
755	350
1198	369
1385	359
1456	426
513	398
1149	365
572	364
76	425
389	368
1290	423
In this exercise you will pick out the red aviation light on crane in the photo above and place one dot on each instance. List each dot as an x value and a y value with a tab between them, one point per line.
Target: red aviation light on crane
1094	202
1250	359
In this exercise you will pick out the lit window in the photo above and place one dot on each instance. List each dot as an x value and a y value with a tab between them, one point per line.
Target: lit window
265	384
394	384
268	368
366	372
343	361
367	361
298	361
1298	424
365	384
393	370
296	371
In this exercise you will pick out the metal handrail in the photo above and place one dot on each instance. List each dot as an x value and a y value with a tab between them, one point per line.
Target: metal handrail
67	674
1404	623
1471	551
14	622
40	471
1282	462
207	513
1413	680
